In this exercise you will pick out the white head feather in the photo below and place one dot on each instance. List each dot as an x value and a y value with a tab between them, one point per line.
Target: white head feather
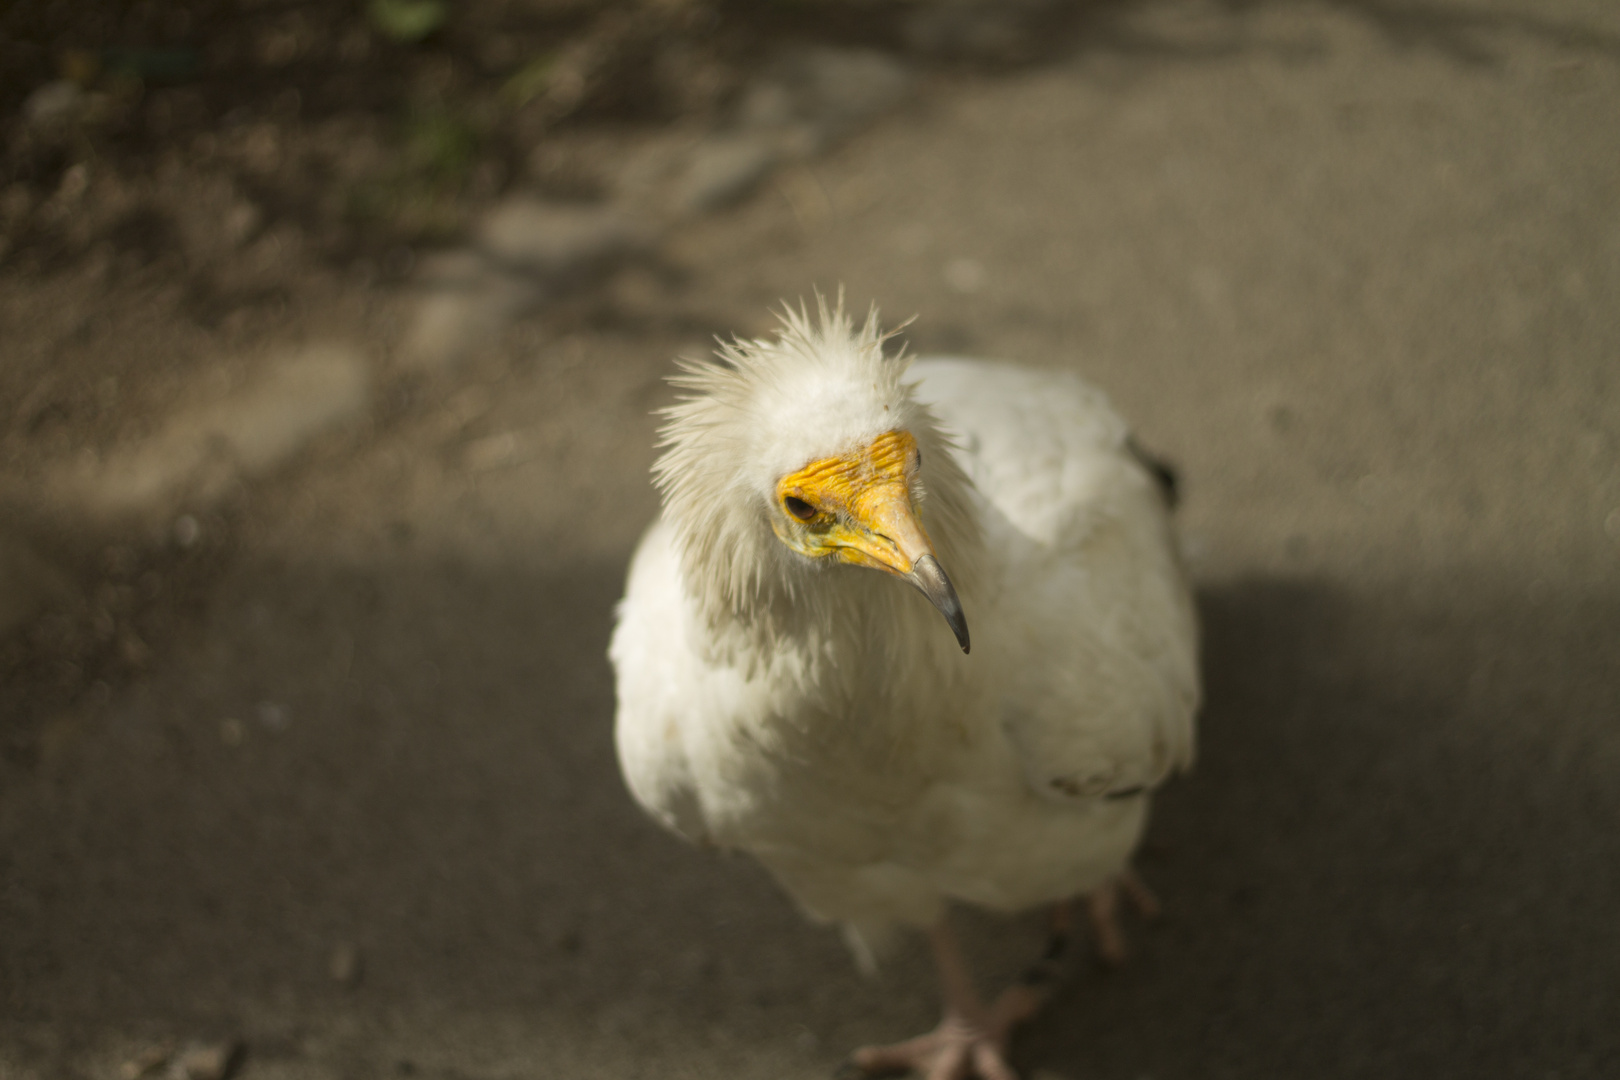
764	409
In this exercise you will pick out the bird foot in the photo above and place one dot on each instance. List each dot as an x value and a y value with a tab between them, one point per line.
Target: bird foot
1102	907
971	1041
959	1048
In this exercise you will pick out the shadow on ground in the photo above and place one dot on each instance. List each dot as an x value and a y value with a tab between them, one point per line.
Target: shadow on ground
420	766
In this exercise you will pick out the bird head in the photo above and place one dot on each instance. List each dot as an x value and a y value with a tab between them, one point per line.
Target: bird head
859	507
806	453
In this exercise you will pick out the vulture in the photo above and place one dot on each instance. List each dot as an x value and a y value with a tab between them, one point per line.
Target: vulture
786	685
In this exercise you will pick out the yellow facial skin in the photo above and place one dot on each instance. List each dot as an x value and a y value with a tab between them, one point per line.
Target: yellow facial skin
856	508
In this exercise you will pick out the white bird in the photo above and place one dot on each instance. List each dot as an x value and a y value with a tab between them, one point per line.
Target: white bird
778	697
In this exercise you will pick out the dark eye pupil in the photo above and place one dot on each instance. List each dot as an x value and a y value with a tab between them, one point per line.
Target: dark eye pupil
799	508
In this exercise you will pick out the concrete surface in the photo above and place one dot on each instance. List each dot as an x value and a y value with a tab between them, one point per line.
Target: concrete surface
1355	266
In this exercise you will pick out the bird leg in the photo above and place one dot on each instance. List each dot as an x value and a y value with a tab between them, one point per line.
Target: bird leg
972	1038
1102	907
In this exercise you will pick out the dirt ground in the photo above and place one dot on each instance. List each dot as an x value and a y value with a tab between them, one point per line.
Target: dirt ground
309	753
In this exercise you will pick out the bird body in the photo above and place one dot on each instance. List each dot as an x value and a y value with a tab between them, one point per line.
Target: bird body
777	698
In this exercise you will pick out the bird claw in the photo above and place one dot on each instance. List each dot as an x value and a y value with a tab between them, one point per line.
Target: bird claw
1102	907
955	1050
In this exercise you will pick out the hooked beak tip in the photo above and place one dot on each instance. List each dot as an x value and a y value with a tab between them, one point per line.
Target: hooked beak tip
930	579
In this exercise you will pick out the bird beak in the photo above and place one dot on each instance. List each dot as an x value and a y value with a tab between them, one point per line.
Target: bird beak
864	517
929	576
892	539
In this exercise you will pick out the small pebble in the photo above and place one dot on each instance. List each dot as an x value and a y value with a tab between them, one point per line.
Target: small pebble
186	530
965	275
344	965
54	103
490	452
722	171
146	1062
210	1061
74	183
132	650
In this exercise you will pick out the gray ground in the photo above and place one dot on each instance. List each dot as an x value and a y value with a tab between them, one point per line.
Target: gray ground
1354	266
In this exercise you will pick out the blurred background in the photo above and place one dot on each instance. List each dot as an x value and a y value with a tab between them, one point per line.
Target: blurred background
329	339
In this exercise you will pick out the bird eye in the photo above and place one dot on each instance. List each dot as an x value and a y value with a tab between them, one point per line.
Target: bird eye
799	508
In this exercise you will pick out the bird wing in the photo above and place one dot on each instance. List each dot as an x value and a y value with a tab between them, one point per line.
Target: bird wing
1093	649
653	667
